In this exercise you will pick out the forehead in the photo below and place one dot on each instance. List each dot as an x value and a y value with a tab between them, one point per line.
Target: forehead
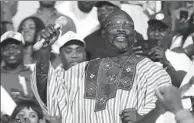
119	18
27	110
29	21
73	46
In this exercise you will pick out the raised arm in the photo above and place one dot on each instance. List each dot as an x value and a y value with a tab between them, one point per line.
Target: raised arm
42	66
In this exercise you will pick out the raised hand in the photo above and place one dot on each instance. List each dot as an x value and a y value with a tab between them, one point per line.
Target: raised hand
170	98
50	34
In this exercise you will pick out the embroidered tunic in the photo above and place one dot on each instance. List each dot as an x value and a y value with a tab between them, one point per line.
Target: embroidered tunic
97	91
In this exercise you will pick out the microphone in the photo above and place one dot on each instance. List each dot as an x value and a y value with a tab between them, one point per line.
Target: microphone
59	24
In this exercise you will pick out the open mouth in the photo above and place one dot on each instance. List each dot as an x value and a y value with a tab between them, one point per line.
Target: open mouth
120	37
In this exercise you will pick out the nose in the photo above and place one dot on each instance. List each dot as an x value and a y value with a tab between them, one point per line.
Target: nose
157	33
25	29
120	29
74	54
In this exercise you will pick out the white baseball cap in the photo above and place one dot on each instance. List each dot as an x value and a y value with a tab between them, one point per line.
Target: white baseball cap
64	39
13	35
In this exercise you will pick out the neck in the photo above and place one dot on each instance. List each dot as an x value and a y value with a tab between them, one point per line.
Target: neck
13	68
46	9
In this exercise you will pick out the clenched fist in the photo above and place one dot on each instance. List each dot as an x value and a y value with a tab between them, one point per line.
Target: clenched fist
50	34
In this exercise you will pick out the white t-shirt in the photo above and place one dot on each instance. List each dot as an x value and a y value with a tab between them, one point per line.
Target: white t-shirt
86	23
140	19
7	103
180	62
177	41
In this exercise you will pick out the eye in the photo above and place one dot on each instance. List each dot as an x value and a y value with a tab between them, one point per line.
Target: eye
68	50
80	50
32	27
33	115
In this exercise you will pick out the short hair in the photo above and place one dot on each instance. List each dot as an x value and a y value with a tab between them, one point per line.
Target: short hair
28	104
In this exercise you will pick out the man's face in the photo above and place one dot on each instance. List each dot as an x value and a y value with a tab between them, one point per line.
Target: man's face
47	4
12	54
157	31
119	33
104	11
85	6
72	54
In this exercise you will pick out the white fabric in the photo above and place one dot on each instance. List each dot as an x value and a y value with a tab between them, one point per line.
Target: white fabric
11	34
186	89
179	61
7	103
86	23
66	91
177	42
140	19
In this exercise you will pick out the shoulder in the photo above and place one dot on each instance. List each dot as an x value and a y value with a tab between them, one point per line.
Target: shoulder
79	68
145	65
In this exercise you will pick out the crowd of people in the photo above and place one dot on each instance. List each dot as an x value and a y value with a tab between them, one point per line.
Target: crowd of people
111	62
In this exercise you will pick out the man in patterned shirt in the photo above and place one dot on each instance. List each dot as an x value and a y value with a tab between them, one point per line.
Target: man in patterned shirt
98	90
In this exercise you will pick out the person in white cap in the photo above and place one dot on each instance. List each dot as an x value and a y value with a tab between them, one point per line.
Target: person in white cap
71	50
15	76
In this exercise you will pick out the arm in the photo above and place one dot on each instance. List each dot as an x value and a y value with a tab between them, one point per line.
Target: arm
176	76
42	66
42	69
170	98
154	76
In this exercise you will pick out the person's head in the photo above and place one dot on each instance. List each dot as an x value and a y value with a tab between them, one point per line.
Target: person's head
119	31
105	8
72	50
47	4
28	109
85	6
158	27
12	44
29	28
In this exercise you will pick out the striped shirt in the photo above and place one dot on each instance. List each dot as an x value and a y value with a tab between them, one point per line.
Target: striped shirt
66	94
52	74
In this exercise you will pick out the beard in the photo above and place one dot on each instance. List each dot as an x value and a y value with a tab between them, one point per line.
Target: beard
119	47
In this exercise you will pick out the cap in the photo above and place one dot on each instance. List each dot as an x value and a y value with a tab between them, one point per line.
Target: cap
12	35
64	39
160	17
115	3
